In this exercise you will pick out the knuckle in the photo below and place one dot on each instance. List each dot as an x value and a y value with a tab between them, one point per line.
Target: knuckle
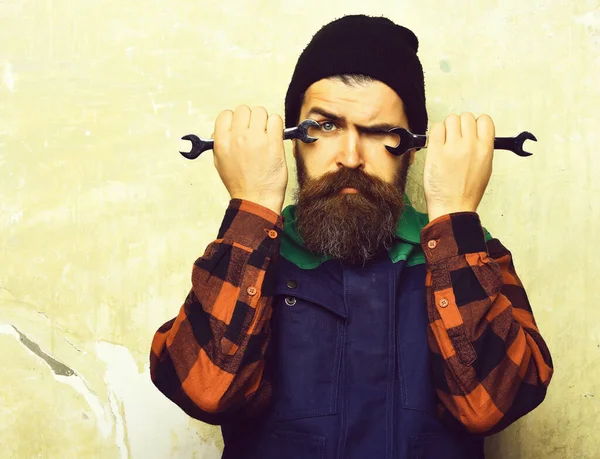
220	146
240	139
275	121
258	108
485	119
222	116
242	112
486	125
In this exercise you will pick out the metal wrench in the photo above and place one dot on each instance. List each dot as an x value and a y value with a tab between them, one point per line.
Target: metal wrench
299	132
408	141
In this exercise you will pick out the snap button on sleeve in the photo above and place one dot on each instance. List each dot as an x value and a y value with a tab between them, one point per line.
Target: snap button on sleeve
443	303
251	291
432	244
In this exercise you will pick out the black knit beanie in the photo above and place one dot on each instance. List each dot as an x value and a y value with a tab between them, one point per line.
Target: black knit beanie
366	45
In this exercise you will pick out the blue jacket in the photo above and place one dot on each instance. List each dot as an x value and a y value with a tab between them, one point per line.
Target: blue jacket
350	362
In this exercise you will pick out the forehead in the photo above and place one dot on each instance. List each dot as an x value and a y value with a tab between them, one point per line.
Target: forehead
360	103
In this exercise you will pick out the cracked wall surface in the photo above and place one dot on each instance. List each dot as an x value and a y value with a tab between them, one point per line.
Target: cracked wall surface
101	218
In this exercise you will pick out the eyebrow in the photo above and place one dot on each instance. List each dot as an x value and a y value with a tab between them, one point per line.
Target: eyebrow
374	128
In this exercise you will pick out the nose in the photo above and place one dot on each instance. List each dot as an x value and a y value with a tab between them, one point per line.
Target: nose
350	153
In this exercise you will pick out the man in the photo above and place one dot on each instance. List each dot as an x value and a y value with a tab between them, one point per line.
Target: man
349	325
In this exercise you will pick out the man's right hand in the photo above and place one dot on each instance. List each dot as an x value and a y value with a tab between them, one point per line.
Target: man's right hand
249	155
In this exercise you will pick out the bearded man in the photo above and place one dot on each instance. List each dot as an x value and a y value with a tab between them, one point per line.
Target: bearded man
349	325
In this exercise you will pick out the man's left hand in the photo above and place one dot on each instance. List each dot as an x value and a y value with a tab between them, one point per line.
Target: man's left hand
458	165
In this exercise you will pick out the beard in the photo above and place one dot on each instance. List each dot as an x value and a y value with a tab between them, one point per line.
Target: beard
353	228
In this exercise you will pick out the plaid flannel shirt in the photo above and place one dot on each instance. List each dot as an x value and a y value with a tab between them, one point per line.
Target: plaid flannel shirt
490	363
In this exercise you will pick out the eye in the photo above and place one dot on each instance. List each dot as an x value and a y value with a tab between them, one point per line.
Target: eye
328	126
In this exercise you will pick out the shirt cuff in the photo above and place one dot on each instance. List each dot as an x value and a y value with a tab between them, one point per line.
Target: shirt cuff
252	225
452	235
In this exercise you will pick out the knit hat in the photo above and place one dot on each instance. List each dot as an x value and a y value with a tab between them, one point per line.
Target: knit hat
359	44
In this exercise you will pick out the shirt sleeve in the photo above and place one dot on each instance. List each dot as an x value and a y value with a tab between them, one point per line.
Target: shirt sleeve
490	364
210	359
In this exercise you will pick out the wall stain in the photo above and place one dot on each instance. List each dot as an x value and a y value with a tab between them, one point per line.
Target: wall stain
57	367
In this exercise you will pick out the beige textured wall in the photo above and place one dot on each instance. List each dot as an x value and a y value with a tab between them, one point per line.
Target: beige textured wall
101	219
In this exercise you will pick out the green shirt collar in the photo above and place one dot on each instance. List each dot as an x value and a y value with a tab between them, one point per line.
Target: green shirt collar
407	246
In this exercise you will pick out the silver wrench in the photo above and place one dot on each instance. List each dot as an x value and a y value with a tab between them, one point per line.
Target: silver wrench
408	141
299	132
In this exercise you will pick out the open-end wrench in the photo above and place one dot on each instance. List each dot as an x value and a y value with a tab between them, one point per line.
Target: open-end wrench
408	141
299	132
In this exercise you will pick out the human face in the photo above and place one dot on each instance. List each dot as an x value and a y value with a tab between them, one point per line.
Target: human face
351	136
351	189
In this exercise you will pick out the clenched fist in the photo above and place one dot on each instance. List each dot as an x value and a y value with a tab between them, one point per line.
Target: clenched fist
458	165
249	155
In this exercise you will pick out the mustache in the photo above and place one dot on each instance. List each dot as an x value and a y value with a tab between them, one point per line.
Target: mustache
333	182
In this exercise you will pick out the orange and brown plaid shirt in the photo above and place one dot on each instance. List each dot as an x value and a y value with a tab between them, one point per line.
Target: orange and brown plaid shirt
490	363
